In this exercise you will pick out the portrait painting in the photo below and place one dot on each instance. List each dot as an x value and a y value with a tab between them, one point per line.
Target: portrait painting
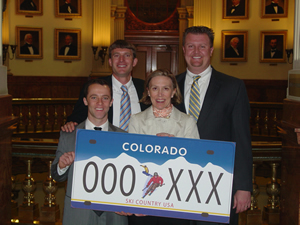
274	8
29	42
29	7
235	9
68	8
272	46
68	44
234	46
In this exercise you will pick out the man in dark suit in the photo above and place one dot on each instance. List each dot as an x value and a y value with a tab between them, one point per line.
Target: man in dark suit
28	48
225	110
274	8
28	5
98	99
67	7
234	51
69	48
122	59
273	53
236	9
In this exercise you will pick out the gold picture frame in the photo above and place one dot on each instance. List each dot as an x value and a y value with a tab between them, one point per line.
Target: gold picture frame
29	7
268	11
68	44
29	42
272	46
240	12
71	10
234	46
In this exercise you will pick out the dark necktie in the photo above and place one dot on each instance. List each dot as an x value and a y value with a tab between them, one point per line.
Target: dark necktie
97	128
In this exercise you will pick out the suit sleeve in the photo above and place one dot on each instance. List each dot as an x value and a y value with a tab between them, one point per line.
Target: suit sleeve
62	148
242	137
191	130
80	110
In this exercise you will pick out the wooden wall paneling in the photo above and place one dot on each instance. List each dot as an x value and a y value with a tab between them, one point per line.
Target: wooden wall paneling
266	90
144	66
7	123
45	87
69	87
290	185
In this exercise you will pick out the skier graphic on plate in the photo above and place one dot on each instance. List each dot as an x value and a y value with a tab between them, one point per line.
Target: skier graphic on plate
152	182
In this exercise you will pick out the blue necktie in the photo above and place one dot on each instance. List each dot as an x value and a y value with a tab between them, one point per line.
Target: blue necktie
194	105
125	109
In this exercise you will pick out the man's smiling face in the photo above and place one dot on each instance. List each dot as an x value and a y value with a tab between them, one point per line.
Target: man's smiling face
197	52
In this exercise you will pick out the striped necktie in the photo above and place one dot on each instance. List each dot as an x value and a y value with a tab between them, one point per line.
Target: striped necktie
194	105
125	110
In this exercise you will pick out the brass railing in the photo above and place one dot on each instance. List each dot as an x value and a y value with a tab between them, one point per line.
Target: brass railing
265	118
41	115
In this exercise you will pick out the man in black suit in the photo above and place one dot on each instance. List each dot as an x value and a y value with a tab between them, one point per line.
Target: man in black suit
224	111
67	7
28	5
234	51
274	8
122	59
236	9
273	53
28	48
69	48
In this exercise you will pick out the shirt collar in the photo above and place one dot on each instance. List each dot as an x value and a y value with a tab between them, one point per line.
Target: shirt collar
206	72
90	126
117	84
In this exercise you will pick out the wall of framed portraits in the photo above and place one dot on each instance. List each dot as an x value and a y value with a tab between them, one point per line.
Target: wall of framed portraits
253	27
50	30
256	31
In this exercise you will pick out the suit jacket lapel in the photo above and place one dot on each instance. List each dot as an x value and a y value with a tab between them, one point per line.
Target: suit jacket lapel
111	127
110	112
81	125
181	81
209	100
138	90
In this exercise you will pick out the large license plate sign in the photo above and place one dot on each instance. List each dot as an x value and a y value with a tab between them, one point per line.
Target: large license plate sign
159	176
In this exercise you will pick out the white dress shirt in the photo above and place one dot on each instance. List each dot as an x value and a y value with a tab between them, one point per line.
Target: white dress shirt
117	94
88	126
203	83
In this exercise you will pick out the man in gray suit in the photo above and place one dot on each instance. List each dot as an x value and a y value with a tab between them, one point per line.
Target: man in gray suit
98	99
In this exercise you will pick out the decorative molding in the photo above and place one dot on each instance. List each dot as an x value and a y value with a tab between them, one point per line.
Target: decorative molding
113	10
120	12
190	10
183	14
132	23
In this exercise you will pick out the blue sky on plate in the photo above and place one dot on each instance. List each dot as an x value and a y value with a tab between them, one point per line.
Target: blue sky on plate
105	145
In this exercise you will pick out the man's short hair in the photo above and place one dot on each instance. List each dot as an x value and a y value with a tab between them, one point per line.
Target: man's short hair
68	35
96	81
199	30
234	38
26	36
122	44
273	38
